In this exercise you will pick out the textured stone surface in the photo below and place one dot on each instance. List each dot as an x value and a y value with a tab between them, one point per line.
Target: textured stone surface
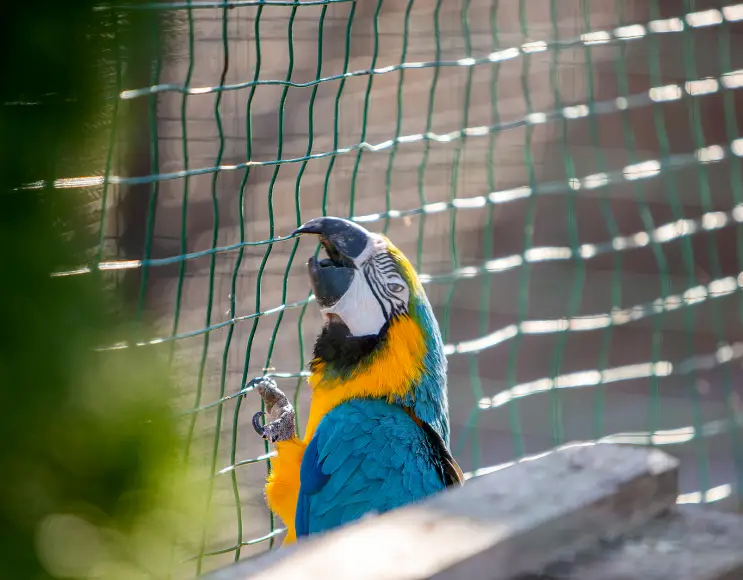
689	543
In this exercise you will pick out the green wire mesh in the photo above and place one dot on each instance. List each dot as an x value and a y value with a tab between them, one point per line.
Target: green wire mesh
566	176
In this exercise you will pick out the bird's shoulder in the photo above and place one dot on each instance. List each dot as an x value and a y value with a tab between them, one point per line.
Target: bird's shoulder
372	429
366	441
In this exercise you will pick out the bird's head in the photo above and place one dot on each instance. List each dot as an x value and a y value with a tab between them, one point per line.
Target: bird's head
365	283
380	337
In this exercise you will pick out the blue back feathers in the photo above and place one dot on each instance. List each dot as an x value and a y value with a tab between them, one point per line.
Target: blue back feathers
367	455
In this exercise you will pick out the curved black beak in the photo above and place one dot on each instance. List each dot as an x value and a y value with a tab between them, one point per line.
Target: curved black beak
346	237
343	241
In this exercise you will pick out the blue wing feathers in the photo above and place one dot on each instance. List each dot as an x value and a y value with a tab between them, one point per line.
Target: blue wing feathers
342	475
310	474
371	470
363	442
338	456
366	455
301	520
312	480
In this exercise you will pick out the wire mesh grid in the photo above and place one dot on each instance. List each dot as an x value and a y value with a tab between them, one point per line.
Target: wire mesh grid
565	176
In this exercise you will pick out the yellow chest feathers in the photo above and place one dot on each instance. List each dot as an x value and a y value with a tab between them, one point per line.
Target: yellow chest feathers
395	367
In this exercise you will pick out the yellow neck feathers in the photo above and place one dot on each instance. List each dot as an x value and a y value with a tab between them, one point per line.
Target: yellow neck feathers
395	367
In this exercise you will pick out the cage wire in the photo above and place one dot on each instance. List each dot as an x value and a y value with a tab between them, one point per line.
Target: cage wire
566	177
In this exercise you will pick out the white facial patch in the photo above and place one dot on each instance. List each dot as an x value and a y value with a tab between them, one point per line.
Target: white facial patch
358	309
377	291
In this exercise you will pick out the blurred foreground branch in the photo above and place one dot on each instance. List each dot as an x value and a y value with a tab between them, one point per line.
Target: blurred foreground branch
91	482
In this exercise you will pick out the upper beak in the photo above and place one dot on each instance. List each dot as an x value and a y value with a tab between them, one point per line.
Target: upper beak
344	241
344	236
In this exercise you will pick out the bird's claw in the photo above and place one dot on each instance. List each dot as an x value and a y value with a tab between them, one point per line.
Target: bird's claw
257	422
281	427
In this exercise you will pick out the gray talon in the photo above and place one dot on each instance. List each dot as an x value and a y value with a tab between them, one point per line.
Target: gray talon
281	426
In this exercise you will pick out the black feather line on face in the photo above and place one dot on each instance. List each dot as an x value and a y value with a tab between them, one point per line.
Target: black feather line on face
343	353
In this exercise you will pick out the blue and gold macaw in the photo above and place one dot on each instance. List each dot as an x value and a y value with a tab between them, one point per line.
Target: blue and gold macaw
378	430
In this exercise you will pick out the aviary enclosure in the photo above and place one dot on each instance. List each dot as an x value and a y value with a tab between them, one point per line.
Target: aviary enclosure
566	176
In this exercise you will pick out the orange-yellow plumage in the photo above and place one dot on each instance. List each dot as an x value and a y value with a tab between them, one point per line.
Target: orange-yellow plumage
282	485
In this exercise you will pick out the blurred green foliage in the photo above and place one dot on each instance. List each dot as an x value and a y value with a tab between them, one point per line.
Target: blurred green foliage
90	479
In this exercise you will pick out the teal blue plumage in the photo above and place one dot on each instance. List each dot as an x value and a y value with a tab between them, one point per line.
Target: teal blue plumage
367	455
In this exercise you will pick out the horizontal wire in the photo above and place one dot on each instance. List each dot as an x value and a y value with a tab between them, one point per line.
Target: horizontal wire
697	295
222	401
713	494
115	265
666	233
694	296
676	436
732	13
167	6
499	56
649	169
663	234
591	378
732	80
211	328
644	170
260	458
252	542
245	390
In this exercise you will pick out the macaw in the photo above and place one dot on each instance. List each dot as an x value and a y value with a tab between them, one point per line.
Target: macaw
377	436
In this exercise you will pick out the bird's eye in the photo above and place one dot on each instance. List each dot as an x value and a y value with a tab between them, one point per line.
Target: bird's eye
395	287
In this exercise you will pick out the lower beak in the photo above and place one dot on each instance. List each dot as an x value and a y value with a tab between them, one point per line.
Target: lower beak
329	283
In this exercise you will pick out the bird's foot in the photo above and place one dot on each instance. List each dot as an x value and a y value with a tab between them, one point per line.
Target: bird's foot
281	424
